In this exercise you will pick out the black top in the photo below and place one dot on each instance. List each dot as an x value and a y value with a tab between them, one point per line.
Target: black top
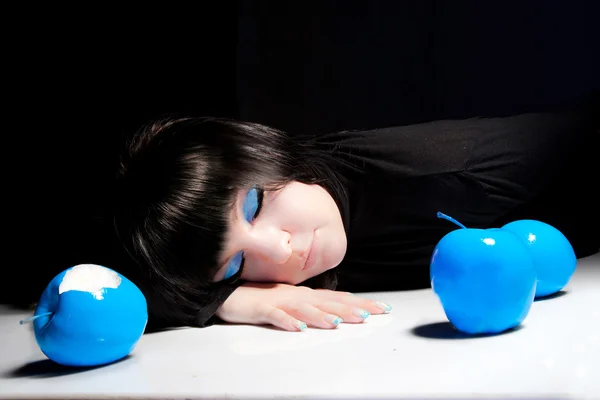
484	172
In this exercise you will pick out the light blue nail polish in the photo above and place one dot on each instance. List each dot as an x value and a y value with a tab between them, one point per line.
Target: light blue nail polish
385	307
333	319
364	314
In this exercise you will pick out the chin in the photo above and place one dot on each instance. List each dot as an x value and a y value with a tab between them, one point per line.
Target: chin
329	263
336	256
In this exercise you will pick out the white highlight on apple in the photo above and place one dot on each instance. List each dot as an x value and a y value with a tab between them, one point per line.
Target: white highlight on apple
489	241
90	278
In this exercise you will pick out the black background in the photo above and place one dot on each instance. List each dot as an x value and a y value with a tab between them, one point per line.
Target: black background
76	81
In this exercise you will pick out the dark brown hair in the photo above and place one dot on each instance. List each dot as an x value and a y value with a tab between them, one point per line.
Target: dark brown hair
175	184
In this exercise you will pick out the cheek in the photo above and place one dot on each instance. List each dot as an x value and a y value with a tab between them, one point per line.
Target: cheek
258	271
298	205
289	207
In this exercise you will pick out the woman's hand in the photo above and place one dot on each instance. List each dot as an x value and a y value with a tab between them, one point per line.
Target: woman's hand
293	308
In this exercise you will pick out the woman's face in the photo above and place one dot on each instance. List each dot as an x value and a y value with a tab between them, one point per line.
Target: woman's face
285	236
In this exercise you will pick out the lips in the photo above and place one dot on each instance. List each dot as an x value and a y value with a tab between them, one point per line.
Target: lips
312	254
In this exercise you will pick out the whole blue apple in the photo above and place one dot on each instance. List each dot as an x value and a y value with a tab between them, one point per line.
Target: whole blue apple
484	278
89	315
553	256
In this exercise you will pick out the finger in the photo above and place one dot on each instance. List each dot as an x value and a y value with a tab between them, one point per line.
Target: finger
372	306
313	316
347	313
279	318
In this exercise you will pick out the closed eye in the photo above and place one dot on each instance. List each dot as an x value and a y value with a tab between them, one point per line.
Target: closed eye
250	209
252	204
235	265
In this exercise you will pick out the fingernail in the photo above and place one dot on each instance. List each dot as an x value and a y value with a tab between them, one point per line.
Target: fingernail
333	319
359	312
385	307
300	325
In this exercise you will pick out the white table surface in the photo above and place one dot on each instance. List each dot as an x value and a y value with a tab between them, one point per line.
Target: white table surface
411	353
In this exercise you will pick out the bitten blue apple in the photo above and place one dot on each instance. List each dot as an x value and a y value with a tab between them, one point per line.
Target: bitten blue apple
89	315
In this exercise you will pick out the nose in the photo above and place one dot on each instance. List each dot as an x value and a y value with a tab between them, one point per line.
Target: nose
272	244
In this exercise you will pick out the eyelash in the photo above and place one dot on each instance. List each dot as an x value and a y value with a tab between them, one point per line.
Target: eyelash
233	278
261	194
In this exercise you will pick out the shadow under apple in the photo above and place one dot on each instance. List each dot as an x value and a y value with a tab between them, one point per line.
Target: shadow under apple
49	369
445	330
552	296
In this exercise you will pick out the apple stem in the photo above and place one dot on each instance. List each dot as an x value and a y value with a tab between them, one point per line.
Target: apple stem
31	319
446	217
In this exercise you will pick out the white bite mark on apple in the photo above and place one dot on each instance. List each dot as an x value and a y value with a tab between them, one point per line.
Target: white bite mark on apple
489	241
90	278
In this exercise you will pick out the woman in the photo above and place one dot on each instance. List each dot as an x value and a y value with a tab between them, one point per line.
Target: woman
238	222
